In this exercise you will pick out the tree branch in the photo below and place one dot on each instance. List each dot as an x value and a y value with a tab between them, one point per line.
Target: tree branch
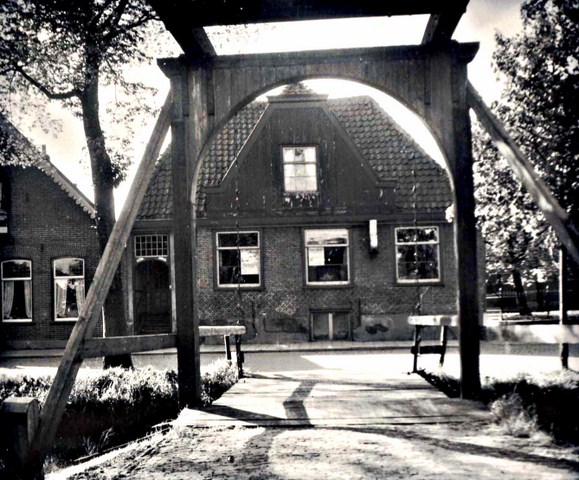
75	92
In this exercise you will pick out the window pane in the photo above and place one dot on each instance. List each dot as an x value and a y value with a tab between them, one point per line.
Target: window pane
69	267
310	155
327	237
289	171
154	245
68	298
246	239
238	264
300	183
418	262
311	185
17	300
334	267
288	155
17	269
412	235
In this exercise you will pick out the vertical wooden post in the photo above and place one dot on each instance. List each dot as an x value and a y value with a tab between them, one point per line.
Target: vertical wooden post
227	347
465	235
563	319
188	357
19	418
239	355
443	343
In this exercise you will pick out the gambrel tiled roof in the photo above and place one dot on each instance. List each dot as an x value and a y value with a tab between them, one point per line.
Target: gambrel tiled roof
389	150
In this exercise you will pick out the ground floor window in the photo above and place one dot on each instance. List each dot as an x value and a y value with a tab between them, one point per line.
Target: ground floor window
238	259
69	288
16	290
417	254
327	257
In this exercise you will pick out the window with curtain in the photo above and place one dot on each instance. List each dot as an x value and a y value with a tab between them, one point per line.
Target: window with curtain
69	291
16	290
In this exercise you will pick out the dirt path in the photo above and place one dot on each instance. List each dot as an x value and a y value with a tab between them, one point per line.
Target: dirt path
420	452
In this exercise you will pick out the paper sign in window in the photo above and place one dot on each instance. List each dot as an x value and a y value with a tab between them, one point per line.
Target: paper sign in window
316	256
249	262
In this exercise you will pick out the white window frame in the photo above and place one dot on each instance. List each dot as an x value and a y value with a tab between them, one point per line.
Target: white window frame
289	151
219	249
56	277
17	279
163	247
307	255
416	243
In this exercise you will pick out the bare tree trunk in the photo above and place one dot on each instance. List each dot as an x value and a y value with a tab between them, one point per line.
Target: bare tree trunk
102	176
521	296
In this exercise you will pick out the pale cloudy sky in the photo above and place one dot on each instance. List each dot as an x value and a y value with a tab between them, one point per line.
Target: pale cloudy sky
482	19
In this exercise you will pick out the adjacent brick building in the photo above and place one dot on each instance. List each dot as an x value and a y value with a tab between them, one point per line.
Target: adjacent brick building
317	219
48	248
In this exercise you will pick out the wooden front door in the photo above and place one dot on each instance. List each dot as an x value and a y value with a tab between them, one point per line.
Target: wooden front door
152	297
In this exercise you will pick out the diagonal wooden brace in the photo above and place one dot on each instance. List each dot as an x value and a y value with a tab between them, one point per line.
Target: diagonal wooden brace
63	382
564	227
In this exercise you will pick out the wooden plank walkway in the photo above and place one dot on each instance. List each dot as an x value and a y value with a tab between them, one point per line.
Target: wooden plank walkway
327	398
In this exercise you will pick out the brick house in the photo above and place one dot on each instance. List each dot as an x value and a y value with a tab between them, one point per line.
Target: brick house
317	219
48	248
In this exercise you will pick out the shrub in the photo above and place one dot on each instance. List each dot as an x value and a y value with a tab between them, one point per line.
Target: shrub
516	420
113	406
549	401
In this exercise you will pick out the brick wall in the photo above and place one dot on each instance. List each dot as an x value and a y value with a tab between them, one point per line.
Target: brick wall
44	224
280	311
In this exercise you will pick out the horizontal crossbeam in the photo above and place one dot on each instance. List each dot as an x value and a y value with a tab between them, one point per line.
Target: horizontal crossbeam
184	19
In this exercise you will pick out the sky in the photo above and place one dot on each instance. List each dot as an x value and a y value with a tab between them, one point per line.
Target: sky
479	24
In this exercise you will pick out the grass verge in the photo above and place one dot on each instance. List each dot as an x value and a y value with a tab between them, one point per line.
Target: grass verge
527	403
114	406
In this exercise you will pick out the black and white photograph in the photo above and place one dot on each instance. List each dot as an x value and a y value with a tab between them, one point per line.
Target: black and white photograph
289	239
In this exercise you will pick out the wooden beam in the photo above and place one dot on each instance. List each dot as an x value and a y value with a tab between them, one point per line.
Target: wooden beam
565	229
208	331
529	333
102	347
71	361
201	13
183	163
433	320
441	26
186	19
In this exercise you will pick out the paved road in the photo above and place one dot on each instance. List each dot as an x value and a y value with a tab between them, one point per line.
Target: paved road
496	360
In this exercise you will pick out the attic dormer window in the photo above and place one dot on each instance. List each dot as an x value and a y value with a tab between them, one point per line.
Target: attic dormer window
300	169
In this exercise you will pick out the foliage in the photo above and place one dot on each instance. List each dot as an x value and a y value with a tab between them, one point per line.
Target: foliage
67	51
116	405
540	71
516	420
59	50
116	387
547	401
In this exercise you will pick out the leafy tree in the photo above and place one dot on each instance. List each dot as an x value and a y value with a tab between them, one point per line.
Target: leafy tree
540	70
66	51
